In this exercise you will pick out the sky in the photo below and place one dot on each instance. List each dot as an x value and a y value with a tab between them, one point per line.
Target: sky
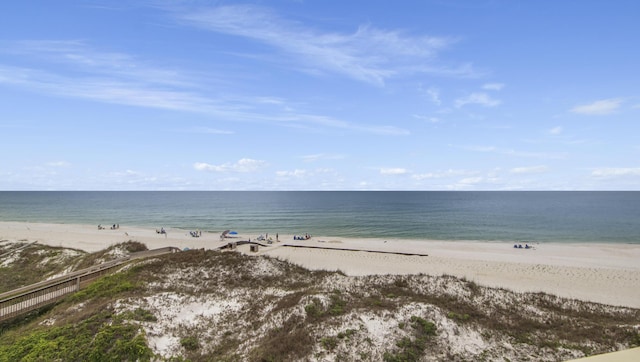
320	95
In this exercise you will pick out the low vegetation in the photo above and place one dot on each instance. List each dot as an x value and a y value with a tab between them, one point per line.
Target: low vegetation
100	337
225	306
33	263
28	264
411	347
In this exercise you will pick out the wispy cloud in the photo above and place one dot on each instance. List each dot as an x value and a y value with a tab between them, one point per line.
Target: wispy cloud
297	173
480	148
242	166
208	130
471	180
493	86
598	108
326	121
427	118
394	171
555	130
615	172
308	179
368	54
515	153
75	57
121	83
271	100
308	173
433	94
529	169
321	156
112	90
442	174
479	98
58	164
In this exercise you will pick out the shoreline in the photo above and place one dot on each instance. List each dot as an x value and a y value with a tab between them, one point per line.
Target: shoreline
604	273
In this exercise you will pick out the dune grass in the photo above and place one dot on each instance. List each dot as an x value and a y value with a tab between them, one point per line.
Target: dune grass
289	313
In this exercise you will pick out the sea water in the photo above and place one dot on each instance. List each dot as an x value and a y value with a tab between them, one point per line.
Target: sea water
608	217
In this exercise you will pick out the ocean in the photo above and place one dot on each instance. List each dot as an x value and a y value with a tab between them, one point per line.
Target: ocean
536	216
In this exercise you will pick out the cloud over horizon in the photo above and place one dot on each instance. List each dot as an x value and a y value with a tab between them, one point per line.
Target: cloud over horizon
615	172
243	165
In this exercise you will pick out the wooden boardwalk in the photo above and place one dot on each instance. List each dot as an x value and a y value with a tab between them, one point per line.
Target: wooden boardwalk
346	249
22	300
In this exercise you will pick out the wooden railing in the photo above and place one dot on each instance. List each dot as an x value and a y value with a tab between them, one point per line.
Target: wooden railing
22	300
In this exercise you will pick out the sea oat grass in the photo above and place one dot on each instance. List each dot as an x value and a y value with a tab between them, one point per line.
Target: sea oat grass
225	306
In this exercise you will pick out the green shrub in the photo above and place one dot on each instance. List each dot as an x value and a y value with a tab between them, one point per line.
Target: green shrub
459	317
105	287
190	343
329	343
635	339
347	334
423	326
313	310
98	338
337	305
411	348
140	314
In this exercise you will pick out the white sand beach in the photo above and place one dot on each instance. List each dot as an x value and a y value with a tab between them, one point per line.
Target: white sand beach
604	273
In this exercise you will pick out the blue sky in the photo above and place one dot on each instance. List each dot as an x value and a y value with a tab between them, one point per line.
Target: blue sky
320	95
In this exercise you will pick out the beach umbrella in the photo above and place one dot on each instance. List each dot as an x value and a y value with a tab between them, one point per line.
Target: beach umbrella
233	233
224	233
